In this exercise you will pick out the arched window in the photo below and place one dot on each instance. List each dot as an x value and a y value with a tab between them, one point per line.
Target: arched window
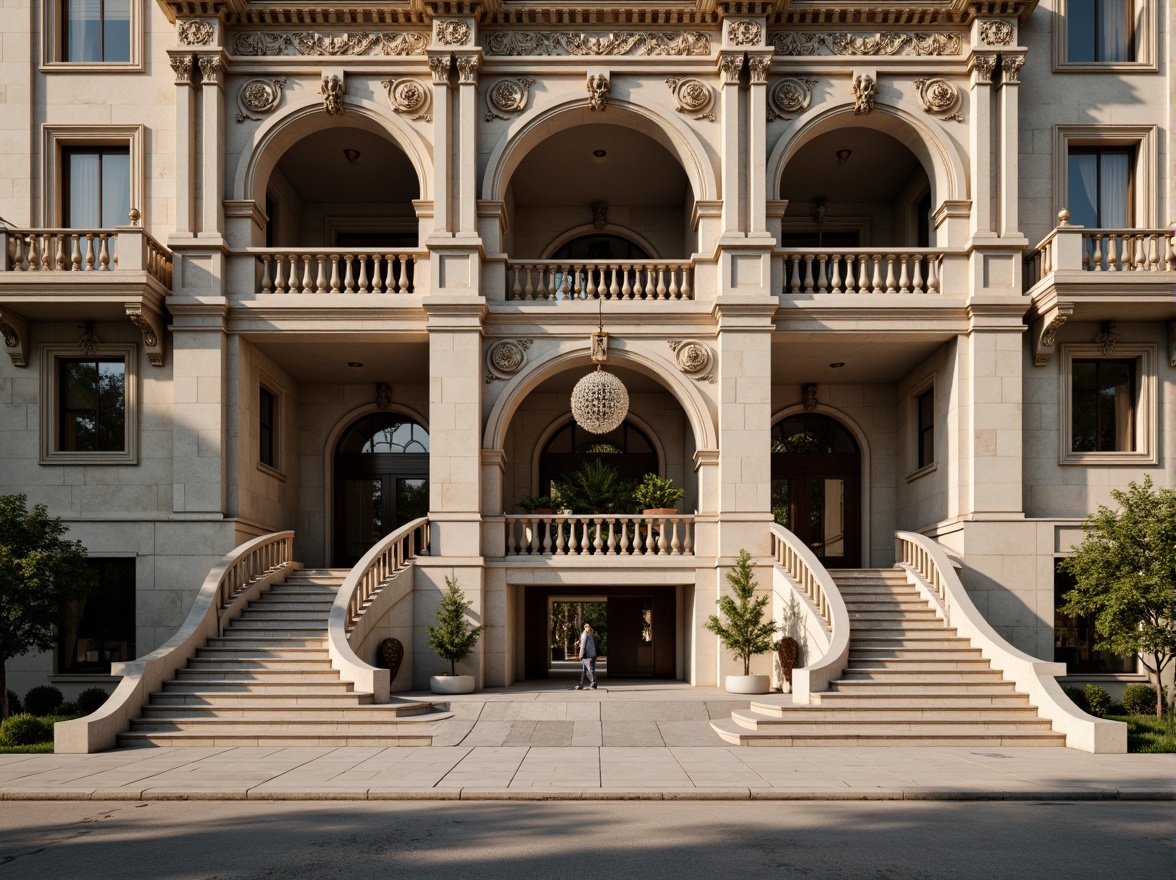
625	449
600	246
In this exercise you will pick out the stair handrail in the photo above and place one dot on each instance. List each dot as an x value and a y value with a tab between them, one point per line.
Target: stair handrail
930	569
803	568
365	590
239	577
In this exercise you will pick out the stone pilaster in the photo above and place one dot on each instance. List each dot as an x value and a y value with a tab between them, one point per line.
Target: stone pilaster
734	197
443	189
212	99
982	66
1007	220
182	62
199	387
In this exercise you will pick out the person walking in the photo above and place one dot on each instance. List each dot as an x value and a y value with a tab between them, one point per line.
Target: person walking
587	658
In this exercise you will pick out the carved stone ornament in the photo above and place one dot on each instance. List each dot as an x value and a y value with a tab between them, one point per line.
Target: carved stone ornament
996	33
758	67
182	65
518	43
731	66
332	89
467	68
1010	67
1172	343
15	330
865	90
790	96
744	33
259	96
409	97
856	43
598	89
453	33
507	96
939	95
505	358
1046	329
151	327
983	65
693	96
599	215
809	397
314	43
695	359
383	396
598	347
1106	339
196	32
439	66
210	69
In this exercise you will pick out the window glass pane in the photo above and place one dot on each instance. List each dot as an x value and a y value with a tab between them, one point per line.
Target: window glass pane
1080	31
1114	30
100	629
92	406
112	406
116	188
83	30
1114	190
82	200
1116	398
116	43
266	407
1074	637
1082	190
412	500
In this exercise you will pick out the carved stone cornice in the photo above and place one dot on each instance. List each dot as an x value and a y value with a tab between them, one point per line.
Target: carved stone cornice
520	43
150	324
15	331
883	43
312	43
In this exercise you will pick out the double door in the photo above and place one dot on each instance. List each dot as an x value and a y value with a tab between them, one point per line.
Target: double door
375	494
817	498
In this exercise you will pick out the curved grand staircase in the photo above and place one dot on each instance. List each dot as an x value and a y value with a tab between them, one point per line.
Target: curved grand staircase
268	681
910	681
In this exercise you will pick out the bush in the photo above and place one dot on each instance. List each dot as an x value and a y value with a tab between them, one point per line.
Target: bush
25	730
91	699
43	700
15	707
68	709
1098	700
1139	699
1078	695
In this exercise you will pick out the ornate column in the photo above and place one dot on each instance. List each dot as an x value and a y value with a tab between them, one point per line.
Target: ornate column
1008	219
467	143
212	99
439	66
981	65
182	63
730	67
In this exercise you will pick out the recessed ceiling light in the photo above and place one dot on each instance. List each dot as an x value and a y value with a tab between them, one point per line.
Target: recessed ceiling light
837	365
600	154
355	364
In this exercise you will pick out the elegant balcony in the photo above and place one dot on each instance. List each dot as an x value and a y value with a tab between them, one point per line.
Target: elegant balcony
599	536
554	280
808	271
335	270
1099	251
59	251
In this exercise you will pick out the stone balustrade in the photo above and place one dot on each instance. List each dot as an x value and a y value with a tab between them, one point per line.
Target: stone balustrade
84	250
600	535
861	270
336	270
1102	250
550	280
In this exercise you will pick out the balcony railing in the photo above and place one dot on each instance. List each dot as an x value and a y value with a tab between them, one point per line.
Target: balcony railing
861	270
600	279
335	270
1103	250
573	535
85	250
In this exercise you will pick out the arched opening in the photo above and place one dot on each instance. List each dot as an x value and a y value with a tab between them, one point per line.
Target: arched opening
816	486
856	187
381	480
627	450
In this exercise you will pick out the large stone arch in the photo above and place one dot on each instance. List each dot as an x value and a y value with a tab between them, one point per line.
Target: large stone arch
532	128
271	140
940	160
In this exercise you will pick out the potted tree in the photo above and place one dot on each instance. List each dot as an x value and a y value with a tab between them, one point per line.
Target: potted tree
453	639
540	504
657	496
745	632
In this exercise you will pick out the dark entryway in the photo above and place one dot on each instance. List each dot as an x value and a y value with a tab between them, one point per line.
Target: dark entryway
641	630
816	486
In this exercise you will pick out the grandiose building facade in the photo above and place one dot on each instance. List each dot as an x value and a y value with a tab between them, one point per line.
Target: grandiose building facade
334	268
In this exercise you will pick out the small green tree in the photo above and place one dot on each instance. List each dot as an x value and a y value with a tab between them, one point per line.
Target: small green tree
1125	577
41	574
452	638
746	633
595	488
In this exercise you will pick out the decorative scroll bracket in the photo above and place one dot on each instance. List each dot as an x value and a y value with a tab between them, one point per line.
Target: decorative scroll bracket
15	330
150	325
1045	331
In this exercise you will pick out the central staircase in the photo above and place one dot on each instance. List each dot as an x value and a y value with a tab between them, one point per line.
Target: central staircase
910	681
268	681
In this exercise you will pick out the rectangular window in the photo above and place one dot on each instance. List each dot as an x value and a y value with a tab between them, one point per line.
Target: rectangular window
267	428
926	405
1074	637
1104	397
1100	31
97	187
1099	187
92	405
96	31
100	629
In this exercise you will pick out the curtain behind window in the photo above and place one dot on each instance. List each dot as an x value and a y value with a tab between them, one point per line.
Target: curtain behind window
83	35
1115	30
84	188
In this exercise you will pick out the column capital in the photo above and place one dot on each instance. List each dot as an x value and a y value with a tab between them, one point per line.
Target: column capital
730	65
467	66
181	63
212	69
981	65
1010	67
440	64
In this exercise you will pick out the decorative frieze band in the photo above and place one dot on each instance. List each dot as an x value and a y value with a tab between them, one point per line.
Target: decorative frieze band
996	33
517	43
315	43
454	33
853	43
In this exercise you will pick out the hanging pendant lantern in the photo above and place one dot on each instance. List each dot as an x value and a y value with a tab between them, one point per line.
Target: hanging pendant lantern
600	400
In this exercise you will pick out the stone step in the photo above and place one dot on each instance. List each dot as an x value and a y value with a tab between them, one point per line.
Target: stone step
921	676
317	674
269	686
905	664
238	641
929	712
342	723
731	732
973	698
859	655
878	725
263	652
287	665
319	606
921	638
264	612
263	712
315	698
261	737
921	689
279	626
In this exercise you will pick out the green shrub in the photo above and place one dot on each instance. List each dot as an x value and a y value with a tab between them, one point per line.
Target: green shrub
15	707
91	699
1098	700
1139	699
25	730
43	700
1078	695
68	709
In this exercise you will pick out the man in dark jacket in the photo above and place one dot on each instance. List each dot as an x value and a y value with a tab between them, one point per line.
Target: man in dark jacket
587	658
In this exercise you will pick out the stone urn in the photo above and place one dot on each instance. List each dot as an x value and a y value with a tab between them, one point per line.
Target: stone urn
452	684
748	684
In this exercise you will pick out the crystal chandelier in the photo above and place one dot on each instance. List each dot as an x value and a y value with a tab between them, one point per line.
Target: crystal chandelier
600	401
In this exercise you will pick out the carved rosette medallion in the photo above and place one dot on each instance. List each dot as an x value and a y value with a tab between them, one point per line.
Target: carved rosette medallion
453	33
940	96
195	32
695	359
409	98
790	96
744	33
259	96
505	358
693	96
507	96
996	33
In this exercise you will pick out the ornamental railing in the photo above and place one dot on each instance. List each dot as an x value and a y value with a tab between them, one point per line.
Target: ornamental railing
336	270
1102	250
861	270
600	535
85	250
551	280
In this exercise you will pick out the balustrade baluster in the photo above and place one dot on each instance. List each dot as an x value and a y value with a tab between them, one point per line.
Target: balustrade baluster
75	253
626	284
686	271
933	274
1169	248
864	274
280	285
613	289
624	545
361	283
808	273
835	273
530	288
59	258
589	282
1113	252
650	540
612	538
335	273
904	278
675	293
661	282
516	290
917	279
597	540
663	543
890	279
822	281
35	251
266	283
850	280
675	544
378	273
561	548
562	286
511	541
404	263
688	543
1153	256
794	279
546	537
307	281
104	252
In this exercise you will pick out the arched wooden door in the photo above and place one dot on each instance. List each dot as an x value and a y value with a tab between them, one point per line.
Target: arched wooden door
381	481
816	486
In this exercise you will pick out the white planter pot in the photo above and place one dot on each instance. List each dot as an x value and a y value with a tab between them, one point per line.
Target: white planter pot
452	684
748	684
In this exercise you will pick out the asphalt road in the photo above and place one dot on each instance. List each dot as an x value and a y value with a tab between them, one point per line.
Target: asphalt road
644	841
